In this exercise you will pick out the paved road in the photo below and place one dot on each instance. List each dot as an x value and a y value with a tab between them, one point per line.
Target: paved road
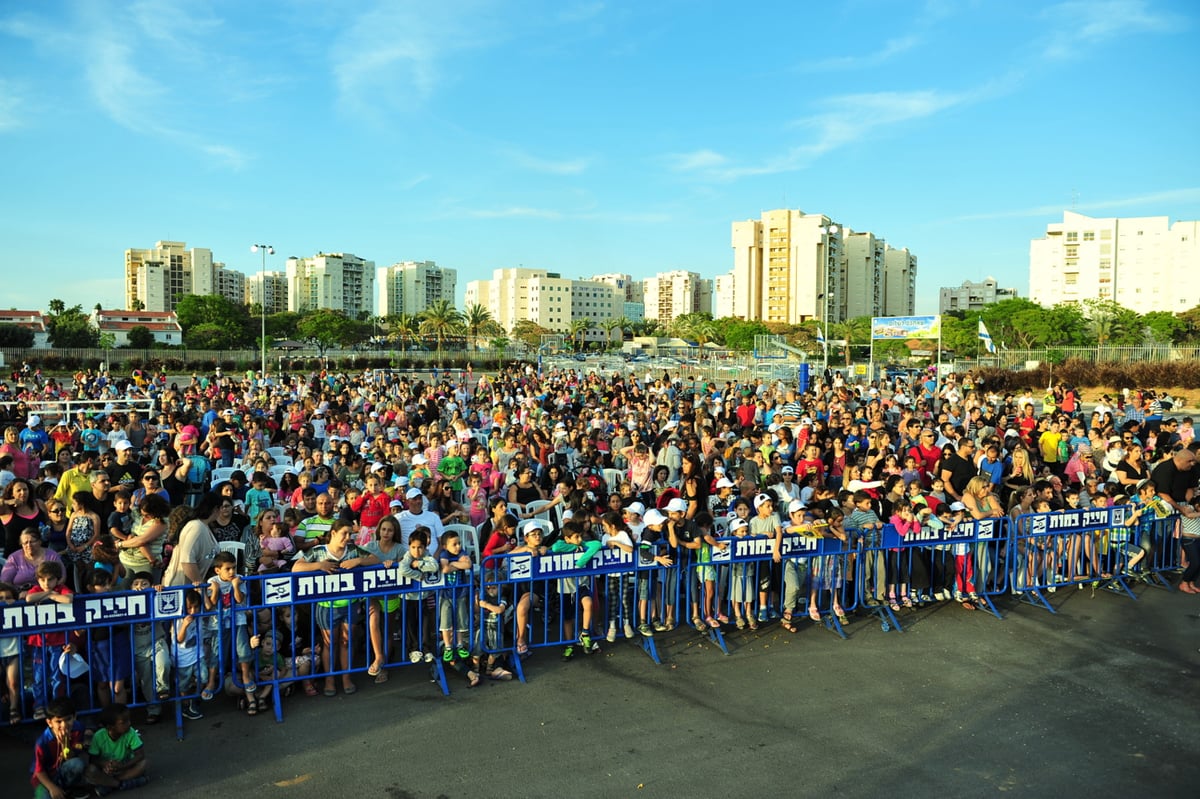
1099	700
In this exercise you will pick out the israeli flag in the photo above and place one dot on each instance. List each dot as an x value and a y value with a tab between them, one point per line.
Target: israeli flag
820	337
986	337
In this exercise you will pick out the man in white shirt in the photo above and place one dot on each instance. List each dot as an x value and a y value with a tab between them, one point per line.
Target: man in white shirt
416	516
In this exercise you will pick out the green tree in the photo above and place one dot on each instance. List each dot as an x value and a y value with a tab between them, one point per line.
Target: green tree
579	329
1190	320
738	334
194	310
403	328
70	327
326	328
477	321
609	325
15	336
441	320
283	324
209	336
140	337
529	333
1162	327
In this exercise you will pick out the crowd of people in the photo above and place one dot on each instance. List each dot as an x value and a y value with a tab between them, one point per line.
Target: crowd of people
331	471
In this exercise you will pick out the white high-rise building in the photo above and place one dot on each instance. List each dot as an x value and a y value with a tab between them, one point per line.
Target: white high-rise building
157	278
971	296
676	293
791	267
547	299
1142	263
410	287
229	283
268	288
335	281
724	288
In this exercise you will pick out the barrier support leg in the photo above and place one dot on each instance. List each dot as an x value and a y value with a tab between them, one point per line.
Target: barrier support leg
831	623
439	674
518	665
989	606
1033	596
717	638
1117	585
887	619
649	647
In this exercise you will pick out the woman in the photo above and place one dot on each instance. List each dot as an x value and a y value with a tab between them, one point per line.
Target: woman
18	511
335	617
151	484
148	533
229	523
21	567
388	549
1018	473
524	490
1132	469
981	504
23	466
441	503
193	554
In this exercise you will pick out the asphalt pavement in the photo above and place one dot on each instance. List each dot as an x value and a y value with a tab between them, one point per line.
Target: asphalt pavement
1099	700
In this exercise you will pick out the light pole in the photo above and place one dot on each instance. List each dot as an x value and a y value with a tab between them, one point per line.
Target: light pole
265	249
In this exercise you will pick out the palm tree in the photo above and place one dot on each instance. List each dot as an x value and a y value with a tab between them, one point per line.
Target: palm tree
402	326
609	326
440	320
478	321
579	329
500	344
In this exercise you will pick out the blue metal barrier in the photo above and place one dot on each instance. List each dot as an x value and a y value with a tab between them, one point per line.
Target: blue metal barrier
1080	547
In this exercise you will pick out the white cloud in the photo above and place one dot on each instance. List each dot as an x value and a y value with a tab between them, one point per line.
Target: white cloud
696	160
891	48
572	166
1156	199
1080	24
514	212
10	106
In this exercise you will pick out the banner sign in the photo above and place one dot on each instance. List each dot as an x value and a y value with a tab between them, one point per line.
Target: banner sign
1078	520
982	530
92	609
284	589
906	327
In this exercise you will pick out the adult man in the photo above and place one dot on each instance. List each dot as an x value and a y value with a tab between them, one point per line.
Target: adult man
315	529
417	516
957	469
1176	477
102	497
124	472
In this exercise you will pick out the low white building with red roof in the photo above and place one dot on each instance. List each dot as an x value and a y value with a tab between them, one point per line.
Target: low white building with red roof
163	325
30	320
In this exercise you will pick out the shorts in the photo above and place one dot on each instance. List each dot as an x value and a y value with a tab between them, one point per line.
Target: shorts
241	644
111	663
328	616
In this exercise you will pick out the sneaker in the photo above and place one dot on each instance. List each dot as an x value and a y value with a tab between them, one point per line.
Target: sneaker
762	615
39	713
428	657
136	782
628	630
585	641
595	647
416	656
646	630
463	652
192	712
568	652
448	655
659	627
612	633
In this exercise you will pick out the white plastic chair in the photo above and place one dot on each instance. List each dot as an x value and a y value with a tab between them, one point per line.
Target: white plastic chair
537	509
517	509
279	454
221	475
237	548
278	471
613	478
721	526
470	541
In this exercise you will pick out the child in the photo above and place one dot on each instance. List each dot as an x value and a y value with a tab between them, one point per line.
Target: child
910	473
494	607
10	659
571	588
795	571
864	524
185	651
741	581
151	660
618	597
964	562
120	521
452	604
650	555
417	564
276	547
476	499
827	570
898	560
112	666
82	529
259	497
527	599
706	574
117	757
60	755
47	646
224	593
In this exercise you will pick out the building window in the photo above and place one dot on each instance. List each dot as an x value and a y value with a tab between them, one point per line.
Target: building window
1105	235
1089	235
1072	235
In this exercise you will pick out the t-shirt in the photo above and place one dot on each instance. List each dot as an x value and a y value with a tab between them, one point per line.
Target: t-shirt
314	527
186	652
196	545
49	754
257	501
225	602
121	750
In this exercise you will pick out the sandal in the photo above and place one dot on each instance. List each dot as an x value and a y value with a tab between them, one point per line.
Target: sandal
500	673
814	613
251	705
841	615
906	602
207	694
473	679
786	624
713	623
310	689
753	623
381	677
741	623
14	717
892	604
967	604
373	670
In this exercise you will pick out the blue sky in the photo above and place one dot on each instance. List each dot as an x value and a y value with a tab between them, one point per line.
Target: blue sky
580	137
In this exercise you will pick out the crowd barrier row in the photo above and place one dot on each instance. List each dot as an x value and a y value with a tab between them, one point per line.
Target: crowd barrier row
319	631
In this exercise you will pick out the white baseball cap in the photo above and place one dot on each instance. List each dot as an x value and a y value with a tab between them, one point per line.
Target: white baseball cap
795	505
762	499
654	516
725	482
413	493
738	523
122	444
636	508
677	505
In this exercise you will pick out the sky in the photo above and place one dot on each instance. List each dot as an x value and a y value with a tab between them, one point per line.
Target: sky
578	136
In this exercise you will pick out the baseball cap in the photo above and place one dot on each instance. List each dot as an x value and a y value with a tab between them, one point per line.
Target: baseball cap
738	524
396	503
654	516
957	506
795	505
725	482
34	421
636	508
418	459
761	499
677	505
532	526
413	492
122	444
788	470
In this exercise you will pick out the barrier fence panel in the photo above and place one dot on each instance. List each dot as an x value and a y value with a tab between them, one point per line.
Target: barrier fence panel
1094	547
1163	540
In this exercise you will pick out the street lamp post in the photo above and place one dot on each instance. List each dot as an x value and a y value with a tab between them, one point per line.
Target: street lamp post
265	249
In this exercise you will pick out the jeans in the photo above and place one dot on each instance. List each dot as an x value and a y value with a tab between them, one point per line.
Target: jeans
45	665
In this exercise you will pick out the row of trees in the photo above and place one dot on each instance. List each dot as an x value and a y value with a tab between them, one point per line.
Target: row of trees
216	323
